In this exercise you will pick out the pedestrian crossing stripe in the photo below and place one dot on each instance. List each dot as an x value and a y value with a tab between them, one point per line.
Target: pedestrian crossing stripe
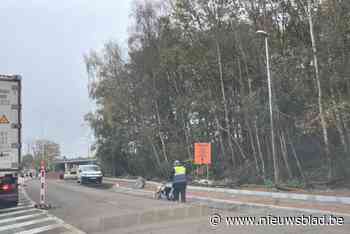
17	218
42	229
4	120
27	223
29	220
17	212
25	219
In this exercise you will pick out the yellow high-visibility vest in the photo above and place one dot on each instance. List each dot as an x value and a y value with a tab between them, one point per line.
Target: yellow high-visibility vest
180	170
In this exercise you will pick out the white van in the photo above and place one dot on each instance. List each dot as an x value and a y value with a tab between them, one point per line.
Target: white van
70	174
89	174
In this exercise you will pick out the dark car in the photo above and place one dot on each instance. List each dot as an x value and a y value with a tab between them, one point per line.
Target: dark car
8	191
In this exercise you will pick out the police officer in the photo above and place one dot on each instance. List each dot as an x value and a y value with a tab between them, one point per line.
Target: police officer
179	181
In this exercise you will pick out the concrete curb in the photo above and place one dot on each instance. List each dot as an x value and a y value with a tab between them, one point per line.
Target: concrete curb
224	204
217	202
295	196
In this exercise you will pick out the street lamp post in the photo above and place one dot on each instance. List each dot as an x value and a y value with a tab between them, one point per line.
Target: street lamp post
274	158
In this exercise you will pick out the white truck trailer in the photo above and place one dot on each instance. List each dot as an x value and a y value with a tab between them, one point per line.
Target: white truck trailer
10	138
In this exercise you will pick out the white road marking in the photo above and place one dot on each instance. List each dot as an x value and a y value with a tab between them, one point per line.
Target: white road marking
19	218
23	204
16	208
18	225
73	229
60	222
66	225
41	229
19	212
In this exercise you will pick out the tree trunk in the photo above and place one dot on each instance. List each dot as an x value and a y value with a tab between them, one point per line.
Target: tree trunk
320	97
268	153
187	137
155	152
114	171
183	118
254	149
259	153
239	148
347	133
156	155
259	149
160	133
239	134
220	137
339	124
225	103
344	124
300	168
285	154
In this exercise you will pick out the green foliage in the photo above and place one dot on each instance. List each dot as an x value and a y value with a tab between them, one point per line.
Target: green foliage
295	183
167	95
27	161
269	183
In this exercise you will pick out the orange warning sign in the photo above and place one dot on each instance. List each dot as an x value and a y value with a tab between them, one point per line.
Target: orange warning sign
202	153
4	120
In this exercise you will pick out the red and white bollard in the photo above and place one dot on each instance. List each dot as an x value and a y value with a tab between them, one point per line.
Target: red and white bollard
21	180
42	186
43	191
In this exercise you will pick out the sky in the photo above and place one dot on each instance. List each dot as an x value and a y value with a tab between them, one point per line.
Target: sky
44	41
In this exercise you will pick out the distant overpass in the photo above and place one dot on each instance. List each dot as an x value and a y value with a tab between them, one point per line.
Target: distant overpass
68	164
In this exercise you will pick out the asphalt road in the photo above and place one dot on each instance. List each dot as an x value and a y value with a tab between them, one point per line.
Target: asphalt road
103	209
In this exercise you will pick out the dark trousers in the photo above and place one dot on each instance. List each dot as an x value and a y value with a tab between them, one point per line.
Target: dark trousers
180	191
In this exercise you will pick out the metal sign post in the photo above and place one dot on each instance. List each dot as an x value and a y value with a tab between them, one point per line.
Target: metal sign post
208	172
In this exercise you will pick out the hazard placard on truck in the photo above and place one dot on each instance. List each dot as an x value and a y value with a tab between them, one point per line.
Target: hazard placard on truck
10	123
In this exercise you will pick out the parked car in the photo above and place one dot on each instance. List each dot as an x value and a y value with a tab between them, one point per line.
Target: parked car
70	175
89	174
8	191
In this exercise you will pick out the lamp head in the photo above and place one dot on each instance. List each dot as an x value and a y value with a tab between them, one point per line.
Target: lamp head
261	32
